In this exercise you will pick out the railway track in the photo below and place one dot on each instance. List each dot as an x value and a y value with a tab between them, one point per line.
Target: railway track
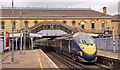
76	64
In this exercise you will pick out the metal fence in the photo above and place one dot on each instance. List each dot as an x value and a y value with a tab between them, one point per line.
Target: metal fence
106	44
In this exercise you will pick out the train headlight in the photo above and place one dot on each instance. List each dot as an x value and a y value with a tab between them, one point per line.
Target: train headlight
81	47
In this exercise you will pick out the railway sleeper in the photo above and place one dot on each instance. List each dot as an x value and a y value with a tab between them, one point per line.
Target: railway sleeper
74	57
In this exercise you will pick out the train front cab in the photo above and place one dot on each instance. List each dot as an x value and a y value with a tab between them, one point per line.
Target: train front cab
88	53
88	50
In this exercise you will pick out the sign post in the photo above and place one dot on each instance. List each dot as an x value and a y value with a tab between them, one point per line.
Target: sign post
20	33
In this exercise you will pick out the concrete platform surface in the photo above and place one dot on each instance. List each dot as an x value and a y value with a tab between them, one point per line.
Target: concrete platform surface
108	54
28	59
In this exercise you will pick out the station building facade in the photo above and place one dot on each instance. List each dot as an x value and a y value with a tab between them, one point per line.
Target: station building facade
85	20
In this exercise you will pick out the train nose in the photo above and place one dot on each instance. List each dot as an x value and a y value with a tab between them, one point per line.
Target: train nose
89	57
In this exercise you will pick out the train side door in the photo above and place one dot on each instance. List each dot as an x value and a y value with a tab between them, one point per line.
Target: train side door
61	45
73	47
70	44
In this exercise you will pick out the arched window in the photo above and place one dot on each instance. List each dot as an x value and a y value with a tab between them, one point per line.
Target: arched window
93	25
14	25
26	23
64	22
2	25
35	22
103	24
82	24
73	23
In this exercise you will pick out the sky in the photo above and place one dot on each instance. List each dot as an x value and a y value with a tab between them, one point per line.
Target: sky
112	5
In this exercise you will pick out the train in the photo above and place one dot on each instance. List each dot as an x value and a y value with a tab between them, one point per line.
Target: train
4	41
79	46
44	44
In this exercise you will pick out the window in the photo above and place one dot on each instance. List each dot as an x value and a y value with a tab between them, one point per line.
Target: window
64	22
26	23
82	24
73	23
57	26
35	22
14	25
54	26
2	25
45	26
48	26
103	24
93	25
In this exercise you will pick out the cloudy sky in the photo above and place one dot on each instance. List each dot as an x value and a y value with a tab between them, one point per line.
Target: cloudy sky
112	5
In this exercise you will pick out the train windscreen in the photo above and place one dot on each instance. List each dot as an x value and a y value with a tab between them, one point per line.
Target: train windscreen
85	40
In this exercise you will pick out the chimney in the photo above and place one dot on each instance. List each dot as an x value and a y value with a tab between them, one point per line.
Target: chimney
105	10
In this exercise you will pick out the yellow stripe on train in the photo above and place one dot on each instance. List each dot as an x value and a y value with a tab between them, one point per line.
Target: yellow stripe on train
89	49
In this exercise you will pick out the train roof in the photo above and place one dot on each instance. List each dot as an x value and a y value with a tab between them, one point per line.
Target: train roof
43	39
76	34
89	34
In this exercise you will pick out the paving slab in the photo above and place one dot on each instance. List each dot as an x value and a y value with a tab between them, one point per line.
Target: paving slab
108	54
28	59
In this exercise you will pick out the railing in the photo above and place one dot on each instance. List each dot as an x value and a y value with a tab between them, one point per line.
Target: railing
65	8
106	44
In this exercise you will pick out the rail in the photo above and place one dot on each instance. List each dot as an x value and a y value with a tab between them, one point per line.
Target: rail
77	64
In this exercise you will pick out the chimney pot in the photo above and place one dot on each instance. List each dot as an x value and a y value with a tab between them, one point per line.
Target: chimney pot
105	10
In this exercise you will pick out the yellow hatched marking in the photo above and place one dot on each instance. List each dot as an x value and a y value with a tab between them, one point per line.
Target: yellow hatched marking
41	66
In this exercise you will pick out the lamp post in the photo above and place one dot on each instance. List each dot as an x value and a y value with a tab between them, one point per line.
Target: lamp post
20	33
12	59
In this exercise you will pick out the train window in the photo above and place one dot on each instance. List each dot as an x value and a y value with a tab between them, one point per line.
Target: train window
65	43
80	41
86	40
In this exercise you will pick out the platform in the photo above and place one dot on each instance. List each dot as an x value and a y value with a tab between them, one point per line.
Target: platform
28	59
108	54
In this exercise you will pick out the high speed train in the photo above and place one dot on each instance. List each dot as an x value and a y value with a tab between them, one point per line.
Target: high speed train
79	46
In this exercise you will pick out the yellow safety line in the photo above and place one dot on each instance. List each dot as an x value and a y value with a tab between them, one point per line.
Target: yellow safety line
41	66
